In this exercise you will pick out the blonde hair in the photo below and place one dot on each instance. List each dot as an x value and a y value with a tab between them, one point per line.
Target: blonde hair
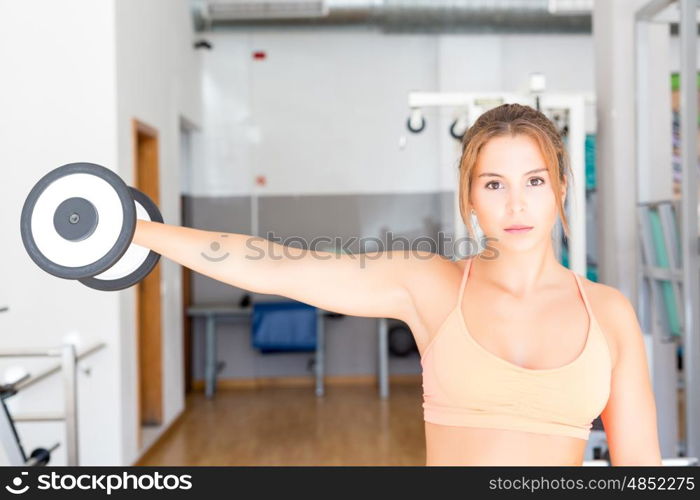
513	119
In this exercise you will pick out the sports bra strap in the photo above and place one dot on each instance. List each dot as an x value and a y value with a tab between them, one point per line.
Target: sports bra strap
583	294
465	274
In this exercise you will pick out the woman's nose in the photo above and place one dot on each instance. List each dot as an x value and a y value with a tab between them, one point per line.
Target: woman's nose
516	202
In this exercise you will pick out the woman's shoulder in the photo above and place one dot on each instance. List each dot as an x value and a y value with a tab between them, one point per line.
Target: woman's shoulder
433	284
436	262
607	299
614	313
430	273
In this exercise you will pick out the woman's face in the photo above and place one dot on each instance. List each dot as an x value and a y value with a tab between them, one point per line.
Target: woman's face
511	186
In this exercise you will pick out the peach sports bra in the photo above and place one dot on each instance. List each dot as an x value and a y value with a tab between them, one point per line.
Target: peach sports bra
466	385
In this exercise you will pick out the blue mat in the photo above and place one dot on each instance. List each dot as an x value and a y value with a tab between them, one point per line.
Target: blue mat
283	327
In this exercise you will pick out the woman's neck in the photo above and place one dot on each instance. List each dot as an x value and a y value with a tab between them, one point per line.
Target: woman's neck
517	272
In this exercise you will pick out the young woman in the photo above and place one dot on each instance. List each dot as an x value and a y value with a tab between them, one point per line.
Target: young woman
519	353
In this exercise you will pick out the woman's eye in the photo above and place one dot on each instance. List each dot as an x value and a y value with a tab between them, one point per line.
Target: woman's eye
538	182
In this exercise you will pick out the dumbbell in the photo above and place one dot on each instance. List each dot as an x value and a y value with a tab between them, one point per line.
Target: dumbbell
78	222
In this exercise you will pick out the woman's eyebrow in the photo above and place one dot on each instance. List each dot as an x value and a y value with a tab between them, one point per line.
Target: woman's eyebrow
491	174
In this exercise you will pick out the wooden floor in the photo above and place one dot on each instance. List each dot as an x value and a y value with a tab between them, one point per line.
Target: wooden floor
350	425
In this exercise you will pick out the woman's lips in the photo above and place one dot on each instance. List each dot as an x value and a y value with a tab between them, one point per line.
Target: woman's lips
519	230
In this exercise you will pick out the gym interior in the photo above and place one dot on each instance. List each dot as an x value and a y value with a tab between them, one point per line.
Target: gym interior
300	120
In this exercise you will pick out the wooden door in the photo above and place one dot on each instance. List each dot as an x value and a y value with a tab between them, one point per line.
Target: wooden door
148	301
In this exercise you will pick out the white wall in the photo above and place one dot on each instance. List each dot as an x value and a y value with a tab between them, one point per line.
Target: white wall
57	96
476	63
324	112
74	73
158	82
318	115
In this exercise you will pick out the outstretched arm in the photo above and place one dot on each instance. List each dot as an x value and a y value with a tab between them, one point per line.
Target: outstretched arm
371	285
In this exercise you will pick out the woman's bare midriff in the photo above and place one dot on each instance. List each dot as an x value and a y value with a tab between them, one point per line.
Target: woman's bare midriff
449	445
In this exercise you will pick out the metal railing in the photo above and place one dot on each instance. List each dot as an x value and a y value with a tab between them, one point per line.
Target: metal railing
68	367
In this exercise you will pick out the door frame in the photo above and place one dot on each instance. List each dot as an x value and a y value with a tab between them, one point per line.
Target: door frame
148	303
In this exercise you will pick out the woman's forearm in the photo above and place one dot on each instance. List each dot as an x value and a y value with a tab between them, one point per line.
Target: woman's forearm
236	259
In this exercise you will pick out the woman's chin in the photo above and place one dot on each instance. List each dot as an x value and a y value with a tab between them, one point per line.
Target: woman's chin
515	242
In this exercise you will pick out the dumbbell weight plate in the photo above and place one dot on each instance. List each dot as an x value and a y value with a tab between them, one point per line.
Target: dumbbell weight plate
138	261
78	220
